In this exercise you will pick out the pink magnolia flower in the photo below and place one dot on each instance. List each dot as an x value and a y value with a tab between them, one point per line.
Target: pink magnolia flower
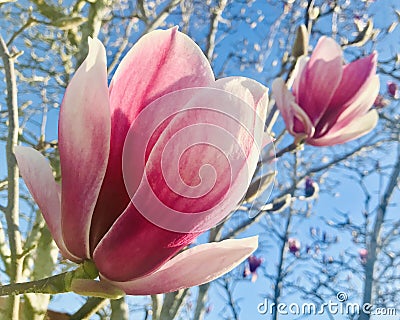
134	152
330	102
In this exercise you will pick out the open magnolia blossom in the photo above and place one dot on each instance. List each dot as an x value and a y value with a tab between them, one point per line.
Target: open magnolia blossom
141	150
330	103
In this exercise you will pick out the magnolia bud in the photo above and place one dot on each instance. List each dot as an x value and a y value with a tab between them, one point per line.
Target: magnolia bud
300	46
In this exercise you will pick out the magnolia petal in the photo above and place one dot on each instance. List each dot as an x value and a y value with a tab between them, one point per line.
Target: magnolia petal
202	163
84	138
362	101
162	61
196	173
251	91
358	107
354	96
39	179
291	112
320	78
193	267
357	75
294	80
326	50
134	247
355	129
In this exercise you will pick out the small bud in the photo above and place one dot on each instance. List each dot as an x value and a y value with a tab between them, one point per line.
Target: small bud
300	46
311	188
314	13
294	246
380	102
209	308
393	90
363	254
253	263
278	205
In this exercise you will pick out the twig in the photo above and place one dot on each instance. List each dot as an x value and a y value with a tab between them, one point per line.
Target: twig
119	309
292	147
162	16
201	301
155	306
55	284
91	28
172	303
375	237
27	24
282	257
246	224
122	46
91	306
12	210
215	18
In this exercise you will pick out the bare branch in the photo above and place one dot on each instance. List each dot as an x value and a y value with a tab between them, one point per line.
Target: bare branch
12	212
375	237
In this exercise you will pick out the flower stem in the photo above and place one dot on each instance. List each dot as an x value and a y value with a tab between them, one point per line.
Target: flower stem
55	284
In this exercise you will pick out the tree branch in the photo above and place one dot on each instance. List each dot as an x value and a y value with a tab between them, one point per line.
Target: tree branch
375	237
12	210
91	306
119	309
162	16
215	18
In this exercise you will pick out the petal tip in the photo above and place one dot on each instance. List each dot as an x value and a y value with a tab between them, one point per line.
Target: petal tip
251	242
97	53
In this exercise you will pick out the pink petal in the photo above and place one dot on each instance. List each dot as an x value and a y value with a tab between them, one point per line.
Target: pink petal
319	79
197	172
356	76
326	50
355	94
296	120
134	246
193	267
159	63
39	179
357	128
356	109
201	163
251	91
294	80
84	138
